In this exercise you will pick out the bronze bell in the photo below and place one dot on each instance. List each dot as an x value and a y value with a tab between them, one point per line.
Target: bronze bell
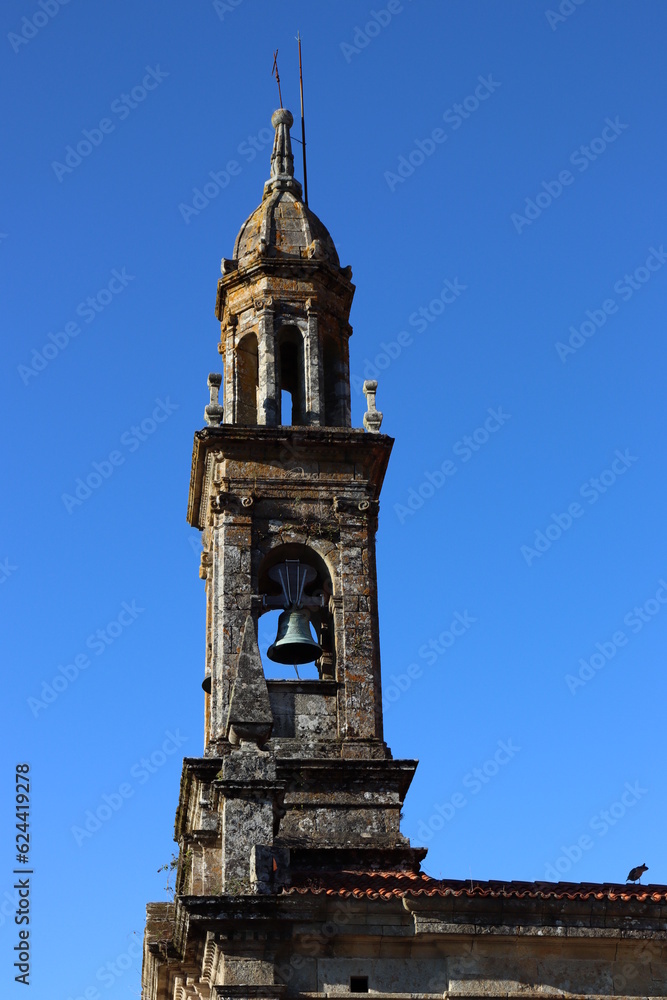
294	642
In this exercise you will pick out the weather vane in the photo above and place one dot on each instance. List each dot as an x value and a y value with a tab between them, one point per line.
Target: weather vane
274	72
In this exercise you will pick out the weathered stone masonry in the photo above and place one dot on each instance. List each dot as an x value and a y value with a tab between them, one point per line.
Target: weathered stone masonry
294	879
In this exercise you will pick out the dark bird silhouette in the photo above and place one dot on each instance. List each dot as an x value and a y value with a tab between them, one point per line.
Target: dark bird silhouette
636	873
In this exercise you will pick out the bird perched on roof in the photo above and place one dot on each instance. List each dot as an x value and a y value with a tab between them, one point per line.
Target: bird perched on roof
636	873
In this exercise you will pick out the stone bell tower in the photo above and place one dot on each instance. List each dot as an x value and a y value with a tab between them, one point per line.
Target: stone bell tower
295	773
293	878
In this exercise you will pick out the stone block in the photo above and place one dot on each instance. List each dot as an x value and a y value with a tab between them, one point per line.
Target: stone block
395	976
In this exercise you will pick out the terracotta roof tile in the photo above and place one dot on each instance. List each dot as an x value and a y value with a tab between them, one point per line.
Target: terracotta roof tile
390	884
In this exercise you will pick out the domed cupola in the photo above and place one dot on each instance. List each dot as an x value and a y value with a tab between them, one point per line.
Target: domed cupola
284	304
282	226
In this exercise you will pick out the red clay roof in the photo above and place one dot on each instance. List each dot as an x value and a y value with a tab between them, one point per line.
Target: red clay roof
391	884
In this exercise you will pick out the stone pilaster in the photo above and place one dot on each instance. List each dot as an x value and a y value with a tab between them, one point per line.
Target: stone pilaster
250	798
230	593
267	409
312	363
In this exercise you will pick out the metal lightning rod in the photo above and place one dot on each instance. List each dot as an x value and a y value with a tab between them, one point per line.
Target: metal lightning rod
303	126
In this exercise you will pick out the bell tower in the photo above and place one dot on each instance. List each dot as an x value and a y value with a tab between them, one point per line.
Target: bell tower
293	877
284	304
271	487
295	775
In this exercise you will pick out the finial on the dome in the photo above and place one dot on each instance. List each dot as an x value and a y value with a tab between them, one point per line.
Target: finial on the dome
282	160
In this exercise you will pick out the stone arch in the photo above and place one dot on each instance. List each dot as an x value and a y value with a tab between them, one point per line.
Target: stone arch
247	380
321	618
290	373
334	375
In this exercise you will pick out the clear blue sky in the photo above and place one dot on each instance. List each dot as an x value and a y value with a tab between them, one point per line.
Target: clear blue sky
495	176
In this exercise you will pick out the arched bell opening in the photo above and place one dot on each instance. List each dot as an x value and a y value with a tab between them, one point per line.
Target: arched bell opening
290	380
247	380
333	368
295	585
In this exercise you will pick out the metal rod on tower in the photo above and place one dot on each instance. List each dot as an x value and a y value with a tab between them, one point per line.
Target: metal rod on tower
274	72
303	126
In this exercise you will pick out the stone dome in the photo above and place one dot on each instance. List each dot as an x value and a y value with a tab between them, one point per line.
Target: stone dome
282	226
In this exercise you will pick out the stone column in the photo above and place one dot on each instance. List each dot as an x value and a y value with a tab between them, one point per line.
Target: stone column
343	387
312	363
267	404
357	629
228	351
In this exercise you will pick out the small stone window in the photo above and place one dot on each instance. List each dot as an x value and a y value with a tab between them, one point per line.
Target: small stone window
358	984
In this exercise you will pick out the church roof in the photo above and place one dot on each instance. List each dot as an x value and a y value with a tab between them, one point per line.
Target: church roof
399	884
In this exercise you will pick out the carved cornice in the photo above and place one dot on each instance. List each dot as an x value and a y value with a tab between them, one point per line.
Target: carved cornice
266	445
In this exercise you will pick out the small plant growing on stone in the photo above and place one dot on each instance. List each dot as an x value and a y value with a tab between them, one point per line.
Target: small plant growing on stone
170	867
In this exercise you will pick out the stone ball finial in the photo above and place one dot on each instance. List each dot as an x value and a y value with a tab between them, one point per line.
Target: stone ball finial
282	117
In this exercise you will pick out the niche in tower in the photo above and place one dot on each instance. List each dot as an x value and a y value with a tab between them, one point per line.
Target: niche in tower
321	618
247	380
334	384
290	376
